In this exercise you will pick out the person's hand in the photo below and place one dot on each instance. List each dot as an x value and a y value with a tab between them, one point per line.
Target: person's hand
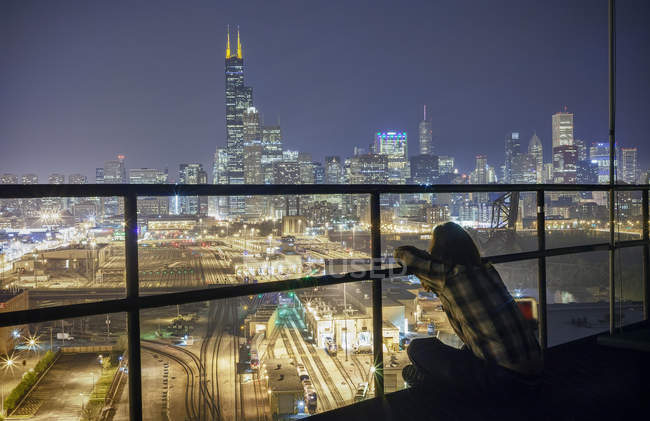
412	258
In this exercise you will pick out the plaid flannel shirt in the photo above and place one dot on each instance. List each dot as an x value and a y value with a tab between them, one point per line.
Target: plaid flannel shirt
483	314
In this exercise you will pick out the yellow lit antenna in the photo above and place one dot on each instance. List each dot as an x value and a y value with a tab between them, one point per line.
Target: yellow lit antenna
238	44
228	43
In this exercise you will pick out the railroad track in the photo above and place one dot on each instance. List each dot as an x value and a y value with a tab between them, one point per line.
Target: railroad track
345	374
190	387
332	387
211	403
360	367
322	396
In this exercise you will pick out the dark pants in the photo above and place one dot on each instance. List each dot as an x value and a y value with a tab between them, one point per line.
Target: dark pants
459	372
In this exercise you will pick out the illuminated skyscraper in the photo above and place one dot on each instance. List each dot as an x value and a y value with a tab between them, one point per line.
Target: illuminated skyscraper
115	171
599	156
150	205
238	99
426	135
251	125
77	179
394	145
536	150
513	148
56	179
191	205
562	123
271	151
628	165
333	170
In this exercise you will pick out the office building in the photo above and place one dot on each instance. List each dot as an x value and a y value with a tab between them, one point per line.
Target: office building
333	170
426	135
512	149
536	150
629	169
153	205
424	169
562	129
77	179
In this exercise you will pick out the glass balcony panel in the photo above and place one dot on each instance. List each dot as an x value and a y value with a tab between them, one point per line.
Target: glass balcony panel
65	369
63	250
185	243
577	296
264	356
499	223
576	218
629	286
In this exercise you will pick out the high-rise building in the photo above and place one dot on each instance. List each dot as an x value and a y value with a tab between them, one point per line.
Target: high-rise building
253	171
536	150
565	161
319	173
9	179
394	145
286	172
581	147
99	175
218	205
190	205
512	149
446	164
306	168
29	179
548	173
56	179
251	123
424	169
480	176
272	150
391	144
77	179
333	170
220	167
369	169
524	169
628	165
151	205
238	99
587	172
147	176
562	123
426	135
115	171
599	155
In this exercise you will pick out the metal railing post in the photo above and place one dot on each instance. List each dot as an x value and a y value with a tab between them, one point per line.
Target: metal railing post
541	271
377	318
646	256
132	292
612	168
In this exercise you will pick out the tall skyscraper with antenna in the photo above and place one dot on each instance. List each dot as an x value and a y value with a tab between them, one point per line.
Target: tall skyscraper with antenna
238	99
426	135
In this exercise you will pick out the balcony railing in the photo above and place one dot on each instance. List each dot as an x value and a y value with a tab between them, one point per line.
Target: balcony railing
134	302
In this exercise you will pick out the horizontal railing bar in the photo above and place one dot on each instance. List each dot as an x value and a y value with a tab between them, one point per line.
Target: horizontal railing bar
631	243
17	191
45	314
182	297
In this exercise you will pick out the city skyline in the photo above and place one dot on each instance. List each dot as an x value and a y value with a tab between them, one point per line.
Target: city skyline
324	131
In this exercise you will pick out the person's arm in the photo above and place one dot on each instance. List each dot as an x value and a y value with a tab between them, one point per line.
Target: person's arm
421	264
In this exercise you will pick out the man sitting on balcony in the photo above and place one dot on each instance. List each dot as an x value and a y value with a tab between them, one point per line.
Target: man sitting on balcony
500	353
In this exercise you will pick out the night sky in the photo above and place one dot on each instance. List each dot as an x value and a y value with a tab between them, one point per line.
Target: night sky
83	81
